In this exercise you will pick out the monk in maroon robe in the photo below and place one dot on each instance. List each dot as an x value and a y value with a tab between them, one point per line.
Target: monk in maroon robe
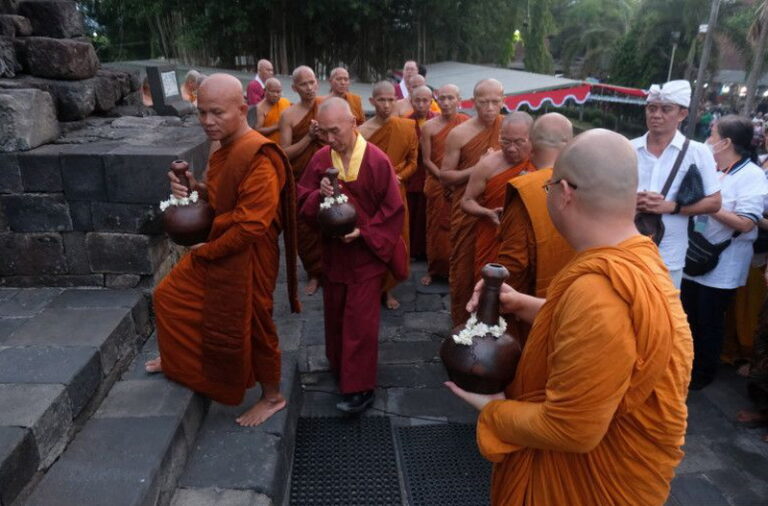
421	98
354	266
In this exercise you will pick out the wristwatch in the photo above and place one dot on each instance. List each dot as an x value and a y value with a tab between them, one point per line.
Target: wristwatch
677	208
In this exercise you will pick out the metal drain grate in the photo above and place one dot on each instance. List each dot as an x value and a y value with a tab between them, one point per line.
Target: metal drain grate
442	466
345	461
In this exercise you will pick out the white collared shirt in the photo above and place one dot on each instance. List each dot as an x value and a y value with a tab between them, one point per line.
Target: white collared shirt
403	88
653	173
258	80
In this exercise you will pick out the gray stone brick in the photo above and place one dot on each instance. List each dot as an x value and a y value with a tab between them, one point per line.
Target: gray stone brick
40	170
215	496
80	212
21	25
125	253
77	368
18	461
10	175
83	176
429	302
436	322
76	253
31	254
27	303
131	218
9	325
53	18
121	281
138	398
37	212
110	330
44	409
63	280
430	402
695	490
27	119
429	375
116	461
89	299
74	100
409	353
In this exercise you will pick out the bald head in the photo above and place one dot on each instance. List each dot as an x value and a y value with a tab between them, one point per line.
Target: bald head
302	71
602	165
304	83
488	86
518	118
451	89
336	124
421	100
334	106
273	90
339	81
264	69
415	82
551	131
224	87
339	71
421	91
272	82
383	88
448	99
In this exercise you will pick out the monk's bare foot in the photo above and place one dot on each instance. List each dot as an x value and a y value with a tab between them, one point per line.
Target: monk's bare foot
752	417
153	366
261	411
392	302
426	280
311	287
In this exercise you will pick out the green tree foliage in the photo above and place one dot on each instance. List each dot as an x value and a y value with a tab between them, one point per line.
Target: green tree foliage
540	25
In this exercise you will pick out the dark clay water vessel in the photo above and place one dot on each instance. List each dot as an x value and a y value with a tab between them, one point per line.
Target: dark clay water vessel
487	365
187	225
341	218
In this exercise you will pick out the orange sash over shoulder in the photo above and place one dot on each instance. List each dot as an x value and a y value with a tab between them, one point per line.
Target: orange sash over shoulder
300	130
273	116
356	104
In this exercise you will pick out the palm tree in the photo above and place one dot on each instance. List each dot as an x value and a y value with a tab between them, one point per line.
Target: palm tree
758	34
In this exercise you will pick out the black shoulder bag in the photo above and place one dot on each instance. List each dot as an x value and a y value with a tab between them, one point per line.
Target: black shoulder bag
702	256
650	224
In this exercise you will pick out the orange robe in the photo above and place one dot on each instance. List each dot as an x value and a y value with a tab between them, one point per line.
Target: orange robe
309	237
596	413
397	138
356	104
417	201
439	205
273	117
214	310
486	233
462	263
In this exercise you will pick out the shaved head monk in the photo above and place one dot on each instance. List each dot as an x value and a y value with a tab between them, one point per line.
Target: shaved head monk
464	147
256	88
339	81
214	310
270	109
397	138
433	136
404	106
354	266
484	196
596	413
421	98
298	137
410	69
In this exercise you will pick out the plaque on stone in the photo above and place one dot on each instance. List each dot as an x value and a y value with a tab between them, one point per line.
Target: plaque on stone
166	96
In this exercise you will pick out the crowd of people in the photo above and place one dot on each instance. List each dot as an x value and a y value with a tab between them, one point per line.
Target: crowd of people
624	257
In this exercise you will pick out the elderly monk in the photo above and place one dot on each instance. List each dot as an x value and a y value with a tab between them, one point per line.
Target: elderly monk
270	109
340	88
354	265
421	97
596	413
397	138
484	196
410	69
214	310
433	136
404	106
256	89
298	136
464	147
191	84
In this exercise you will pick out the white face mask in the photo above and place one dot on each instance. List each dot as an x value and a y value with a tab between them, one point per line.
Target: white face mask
712	146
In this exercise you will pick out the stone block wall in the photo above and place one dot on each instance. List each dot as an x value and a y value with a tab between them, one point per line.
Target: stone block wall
85	212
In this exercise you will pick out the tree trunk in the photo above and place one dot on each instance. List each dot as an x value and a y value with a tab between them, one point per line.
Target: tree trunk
757	67
703	63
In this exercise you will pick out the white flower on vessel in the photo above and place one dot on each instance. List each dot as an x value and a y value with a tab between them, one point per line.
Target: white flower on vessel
328	202
473	329
174	201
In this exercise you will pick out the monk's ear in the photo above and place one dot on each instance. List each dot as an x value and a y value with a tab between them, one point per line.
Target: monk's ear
243	109
372	101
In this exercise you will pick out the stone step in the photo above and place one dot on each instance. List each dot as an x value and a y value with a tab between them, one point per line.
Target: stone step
60	353
233	465
133	449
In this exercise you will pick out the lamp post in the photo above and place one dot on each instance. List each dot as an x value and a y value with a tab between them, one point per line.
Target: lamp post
675	39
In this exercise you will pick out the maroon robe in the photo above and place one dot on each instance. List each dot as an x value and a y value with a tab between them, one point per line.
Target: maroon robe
353	273
417	201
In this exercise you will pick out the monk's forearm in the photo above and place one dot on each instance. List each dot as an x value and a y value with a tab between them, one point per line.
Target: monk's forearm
295	150
525	307
470	206
432	168
451	178
267	130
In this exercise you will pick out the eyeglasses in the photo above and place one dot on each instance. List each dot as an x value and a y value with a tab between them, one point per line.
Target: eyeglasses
551	183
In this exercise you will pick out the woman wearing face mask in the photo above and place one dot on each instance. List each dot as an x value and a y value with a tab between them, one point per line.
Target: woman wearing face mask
706	297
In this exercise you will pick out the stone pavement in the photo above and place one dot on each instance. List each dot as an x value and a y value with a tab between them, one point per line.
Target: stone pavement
77	434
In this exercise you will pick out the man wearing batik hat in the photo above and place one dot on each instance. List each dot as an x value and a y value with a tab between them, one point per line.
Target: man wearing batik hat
657	153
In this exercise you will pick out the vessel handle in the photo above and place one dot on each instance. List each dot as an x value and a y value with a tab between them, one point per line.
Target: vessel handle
333	175
179	169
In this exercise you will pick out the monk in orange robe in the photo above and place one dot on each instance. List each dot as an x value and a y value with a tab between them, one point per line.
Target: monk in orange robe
530	247
214	310
433	137
298	137
484	196
596	413
397	138
404	107
421	97
269	110
464	147
339	82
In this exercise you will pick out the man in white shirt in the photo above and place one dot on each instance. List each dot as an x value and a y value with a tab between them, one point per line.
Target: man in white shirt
657	150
